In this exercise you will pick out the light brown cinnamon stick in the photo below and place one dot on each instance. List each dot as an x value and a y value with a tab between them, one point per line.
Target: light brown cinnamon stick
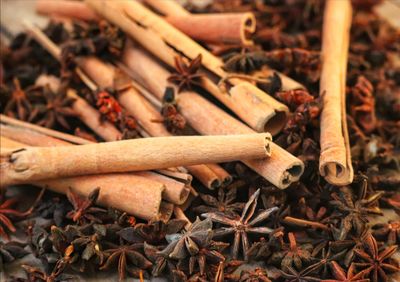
224	28
281	169
117	190
255	107
176	188
335	159
63	8
31	164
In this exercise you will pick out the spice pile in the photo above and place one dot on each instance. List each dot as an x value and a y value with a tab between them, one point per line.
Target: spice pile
231	216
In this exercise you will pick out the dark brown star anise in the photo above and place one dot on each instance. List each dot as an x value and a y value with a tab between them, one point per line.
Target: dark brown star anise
255	275
187	74
292	254
130	260
341	276
210	254
355	211
224	202
376	264
292	275
11	251
7	211
243	225
189	243
389	232
38	275
55	110
18	105
160	262
84	210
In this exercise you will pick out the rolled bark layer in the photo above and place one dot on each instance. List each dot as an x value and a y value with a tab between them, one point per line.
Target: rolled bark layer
31	164
166	42
281	169
65	8
134	194
174	192
335	159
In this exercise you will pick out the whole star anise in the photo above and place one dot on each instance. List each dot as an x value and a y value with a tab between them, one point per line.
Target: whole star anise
187	74
84	210
354	211
341	276
243	225
130	260
224	202
376	264
56	108
18	105
7	211
189	243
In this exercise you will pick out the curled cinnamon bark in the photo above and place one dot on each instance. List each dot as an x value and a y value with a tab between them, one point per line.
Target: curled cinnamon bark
31	164
335	159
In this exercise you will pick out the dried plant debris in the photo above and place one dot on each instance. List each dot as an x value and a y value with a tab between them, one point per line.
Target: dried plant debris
312	231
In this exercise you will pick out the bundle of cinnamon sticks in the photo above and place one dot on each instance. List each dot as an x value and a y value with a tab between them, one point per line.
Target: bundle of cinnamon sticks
156	170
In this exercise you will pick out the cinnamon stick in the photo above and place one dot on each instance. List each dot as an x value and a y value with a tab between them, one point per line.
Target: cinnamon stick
68	9
281	169
176	186
31	164
224	28
335	159
117	190
256	108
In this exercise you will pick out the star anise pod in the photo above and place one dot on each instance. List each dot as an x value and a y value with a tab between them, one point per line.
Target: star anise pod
56	109
325	259
376	264
210	254
57	275
160	262
84	209
130	260
389	232
187	74
7	211
341	276
243	225
355	211
292	275
255	275
294	98
189	243
292	254
224	202
152	232
225	270
18	105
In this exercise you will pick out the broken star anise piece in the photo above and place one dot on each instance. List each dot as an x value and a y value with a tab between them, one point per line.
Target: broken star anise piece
84	209
374	263
341	276
389	232
292	254
189	243
255	275
11	251
130	260
224	202
152	232
187	74
243	225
